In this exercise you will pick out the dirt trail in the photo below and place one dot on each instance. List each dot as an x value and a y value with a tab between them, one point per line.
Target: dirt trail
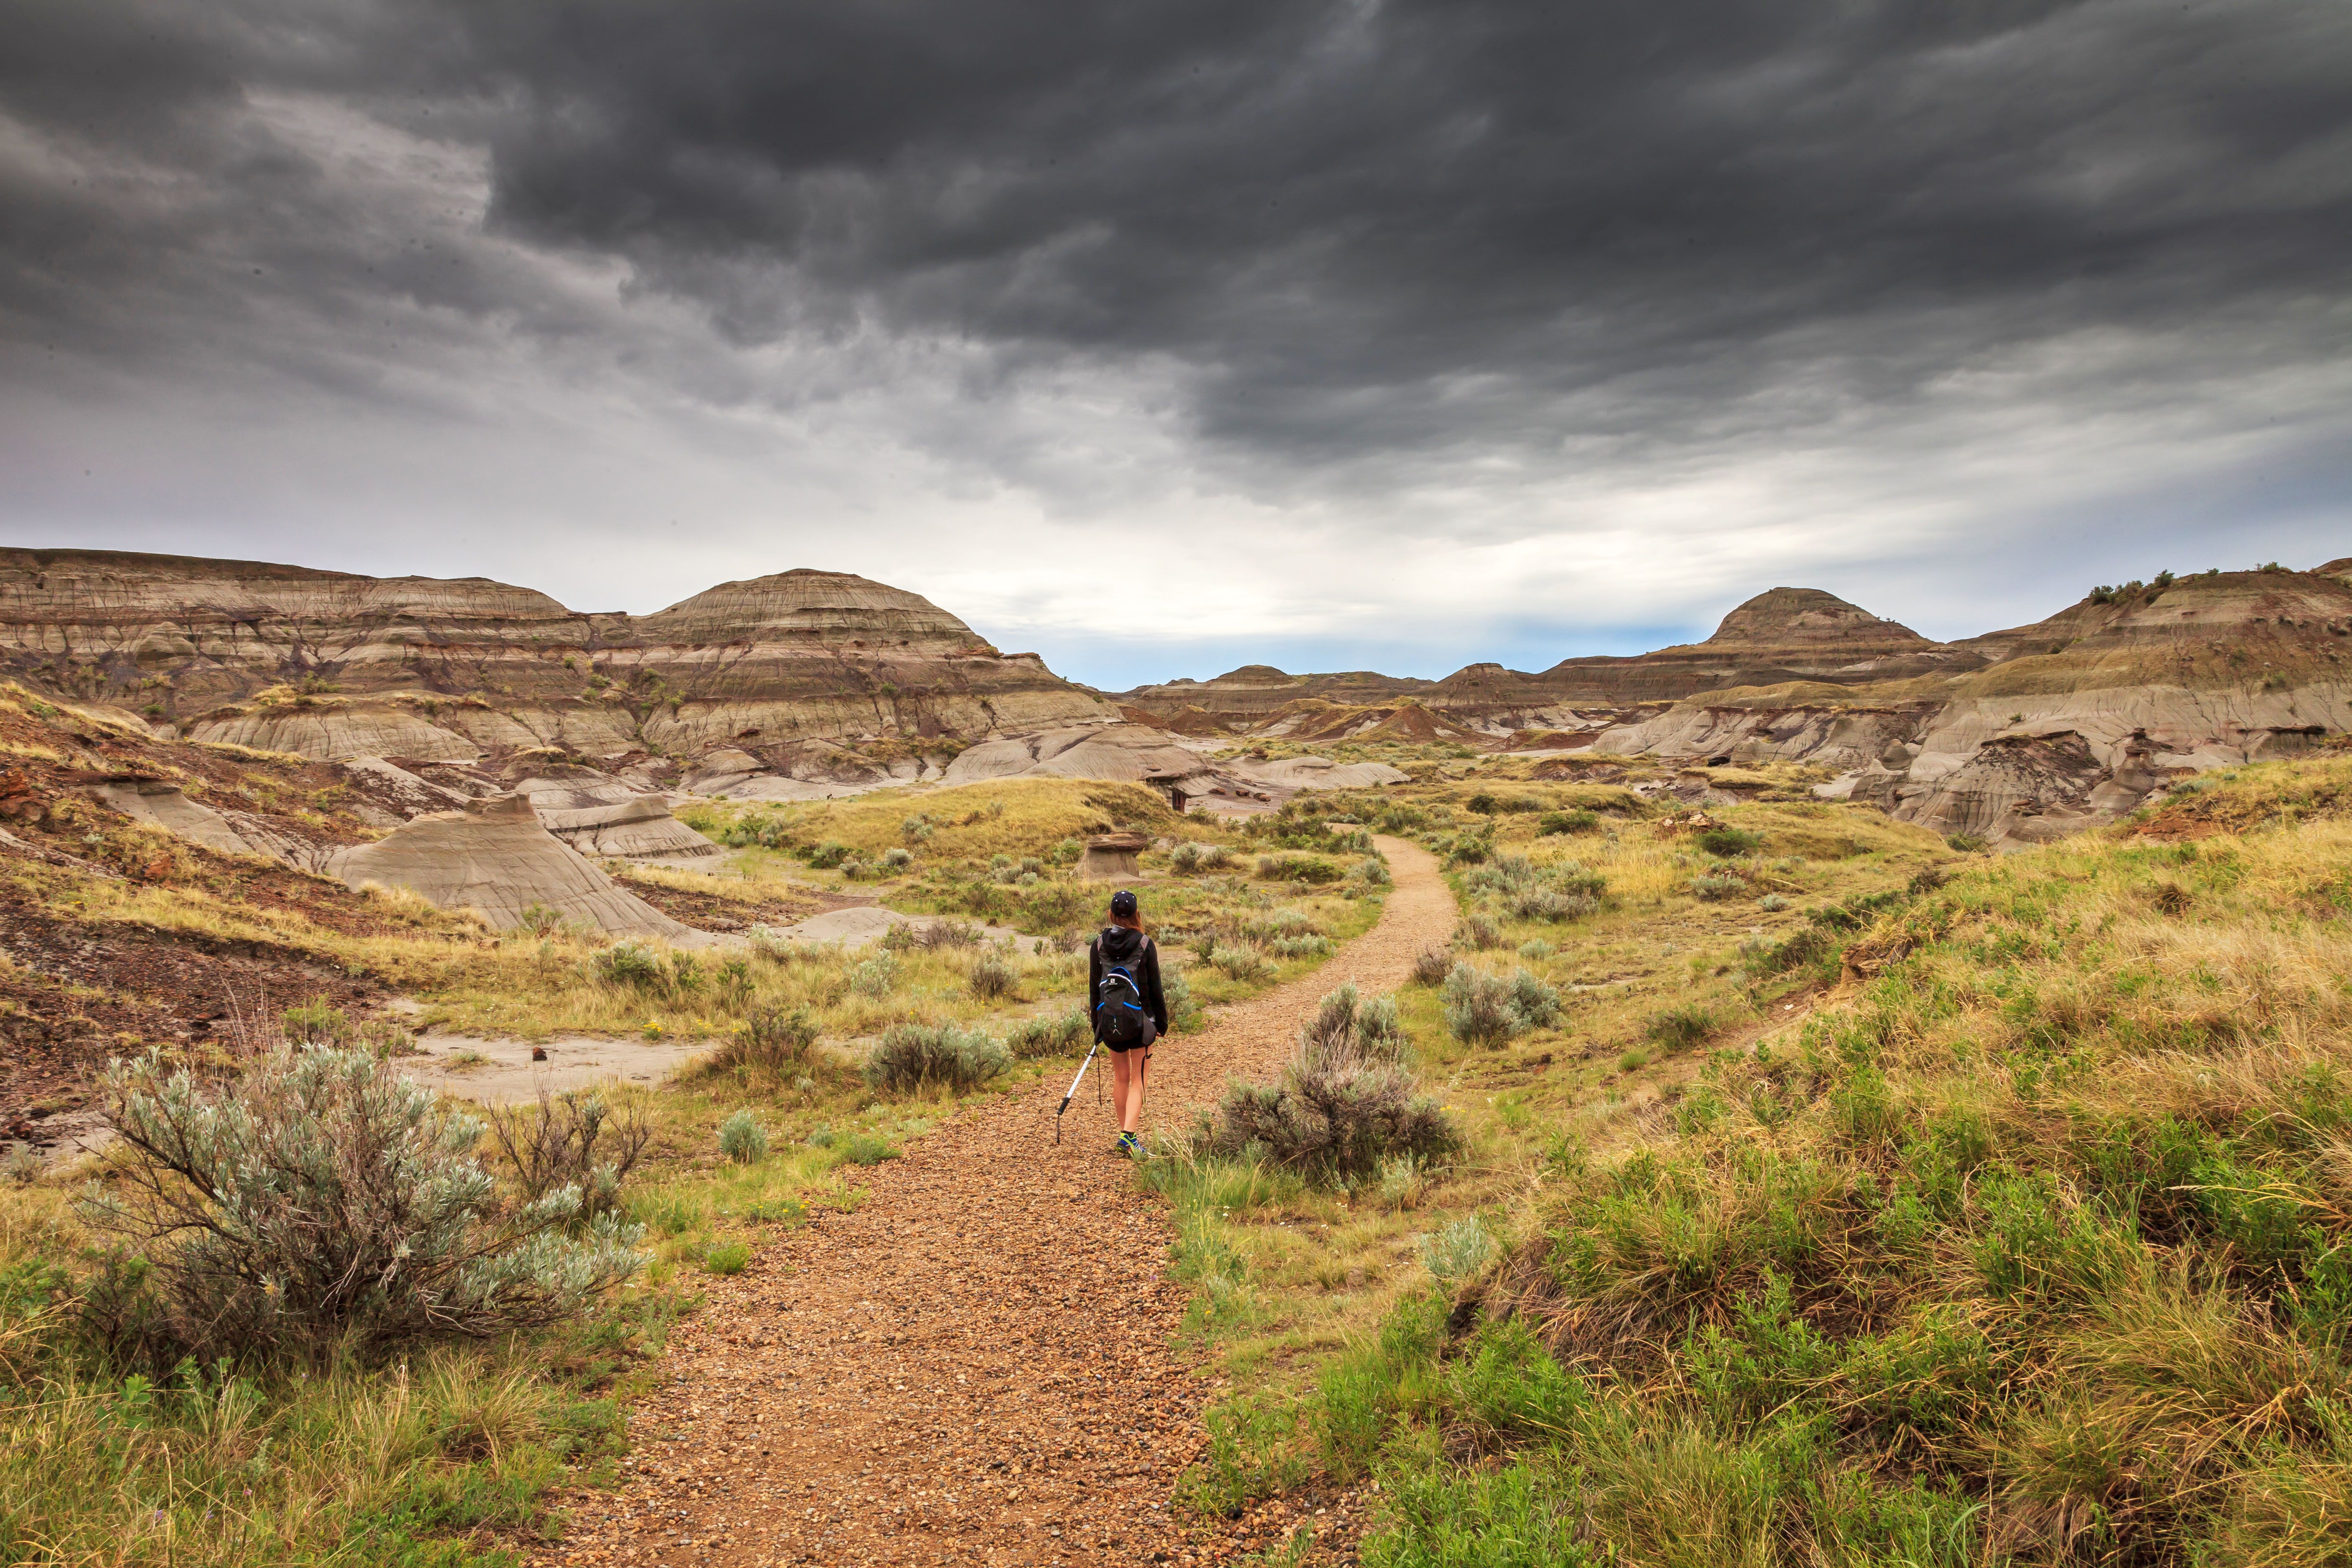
976	1366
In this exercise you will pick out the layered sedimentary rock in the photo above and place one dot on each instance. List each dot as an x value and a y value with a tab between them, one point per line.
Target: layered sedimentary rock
1256	692
640	829
1781	635
334	664
2016	735
496	859
2065	723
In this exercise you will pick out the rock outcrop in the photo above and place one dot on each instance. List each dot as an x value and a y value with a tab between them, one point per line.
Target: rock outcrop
332	665
2015	735
2063	724
496	859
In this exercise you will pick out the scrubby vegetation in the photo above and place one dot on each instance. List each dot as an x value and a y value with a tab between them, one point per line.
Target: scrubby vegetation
1346	1101
2023	1242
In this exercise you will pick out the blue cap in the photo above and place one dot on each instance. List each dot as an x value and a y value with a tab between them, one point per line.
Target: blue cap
1122	902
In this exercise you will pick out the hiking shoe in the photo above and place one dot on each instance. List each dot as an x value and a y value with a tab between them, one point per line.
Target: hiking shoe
1129	1145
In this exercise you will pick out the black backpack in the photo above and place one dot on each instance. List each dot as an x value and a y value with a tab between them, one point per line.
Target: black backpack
1118	1007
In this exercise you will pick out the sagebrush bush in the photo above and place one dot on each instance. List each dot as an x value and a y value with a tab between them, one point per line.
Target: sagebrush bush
1726	842
322	1201
932	936
1457	1250
1059	1034
574	1138
1477	931
1346	1025
742	1138
876	976
1344	1103
1296	868
1243	961
1192	857
1536	1003
1714	890
1431	964
628	964
1479	1009
1561	822
917	1056
866	1149
773	1039
1679	1028
1183	1013
992	975
1563	891
1302	947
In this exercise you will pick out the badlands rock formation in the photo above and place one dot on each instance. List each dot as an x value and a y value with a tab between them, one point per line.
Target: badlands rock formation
2015	735
331	665
495	857
2070	721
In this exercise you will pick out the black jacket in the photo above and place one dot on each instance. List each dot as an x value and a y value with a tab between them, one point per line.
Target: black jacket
1132	948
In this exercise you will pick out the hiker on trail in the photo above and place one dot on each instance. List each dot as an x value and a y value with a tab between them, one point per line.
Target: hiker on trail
1123	980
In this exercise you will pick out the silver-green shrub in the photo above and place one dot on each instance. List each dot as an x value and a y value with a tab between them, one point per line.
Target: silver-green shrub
1536	1003
1346	1101
876	976
1457	1250
742	1138
323	1200
1051	1034
1478	1006
913	1056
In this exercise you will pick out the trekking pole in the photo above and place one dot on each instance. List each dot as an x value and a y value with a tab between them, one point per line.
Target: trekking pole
1074	1089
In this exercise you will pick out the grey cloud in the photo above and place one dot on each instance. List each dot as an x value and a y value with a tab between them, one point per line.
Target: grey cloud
1473	269
1332	209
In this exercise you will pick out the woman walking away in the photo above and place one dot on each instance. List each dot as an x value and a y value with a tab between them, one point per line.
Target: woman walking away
1123	979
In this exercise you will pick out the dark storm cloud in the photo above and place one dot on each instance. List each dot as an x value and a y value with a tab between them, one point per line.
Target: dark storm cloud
1363	224
1836	291
1335	211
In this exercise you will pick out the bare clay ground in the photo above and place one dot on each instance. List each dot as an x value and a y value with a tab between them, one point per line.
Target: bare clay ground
977	1366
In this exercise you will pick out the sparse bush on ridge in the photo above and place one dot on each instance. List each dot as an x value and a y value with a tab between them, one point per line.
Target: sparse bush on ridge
1679	1028
1486	1009
771	1040
1726	842
876	976
1477	931
992	976
1190	857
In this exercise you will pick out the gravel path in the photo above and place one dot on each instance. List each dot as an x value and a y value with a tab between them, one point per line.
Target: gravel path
977	1366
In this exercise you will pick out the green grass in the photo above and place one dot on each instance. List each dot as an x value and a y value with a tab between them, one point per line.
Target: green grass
2028	1243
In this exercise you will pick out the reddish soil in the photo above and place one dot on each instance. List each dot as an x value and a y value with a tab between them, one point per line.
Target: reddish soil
977	1365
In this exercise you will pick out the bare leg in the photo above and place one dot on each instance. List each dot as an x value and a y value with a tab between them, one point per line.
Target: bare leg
1127	1087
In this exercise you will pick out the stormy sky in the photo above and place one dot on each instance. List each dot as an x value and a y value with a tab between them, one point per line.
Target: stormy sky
1163	337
